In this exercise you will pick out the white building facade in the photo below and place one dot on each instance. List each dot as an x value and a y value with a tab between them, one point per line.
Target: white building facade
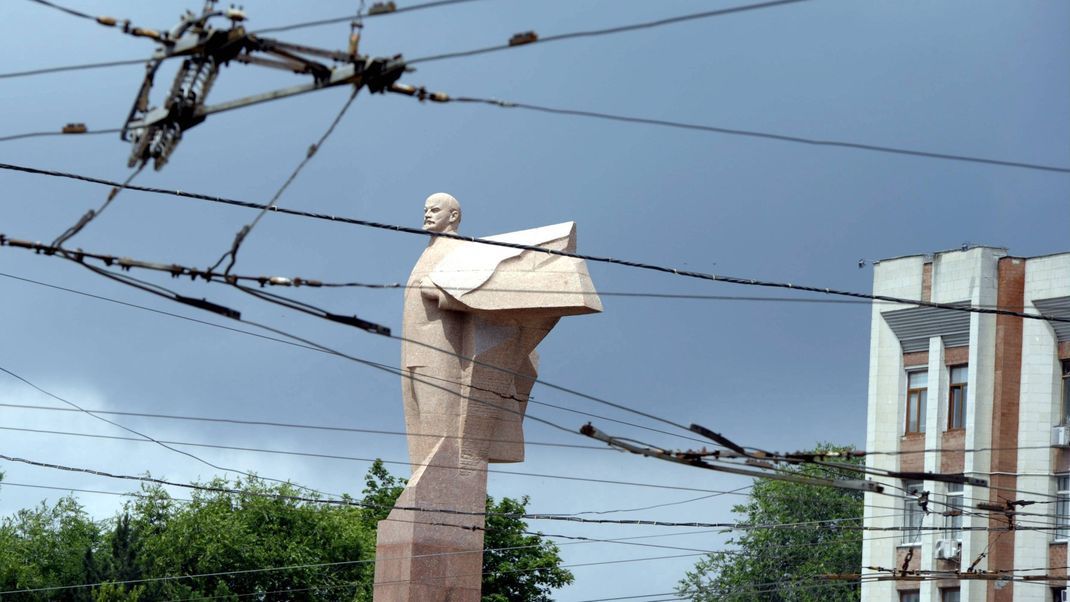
980	395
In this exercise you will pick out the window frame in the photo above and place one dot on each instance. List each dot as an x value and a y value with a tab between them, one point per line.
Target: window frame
913	517
910	595
956	417
950	594
1065	393
1062	507
922	397
953	522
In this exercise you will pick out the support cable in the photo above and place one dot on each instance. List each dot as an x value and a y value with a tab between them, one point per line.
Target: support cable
90	215
239	238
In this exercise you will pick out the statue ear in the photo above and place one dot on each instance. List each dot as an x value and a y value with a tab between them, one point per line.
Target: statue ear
453	215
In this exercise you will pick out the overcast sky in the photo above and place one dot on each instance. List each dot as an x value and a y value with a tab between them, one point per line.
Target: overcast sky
981	78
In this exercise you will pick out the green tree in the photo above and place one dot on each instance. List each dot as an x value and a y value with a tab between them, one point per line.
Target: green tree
517	564
317	551
381	490
327	546
775	563
48	545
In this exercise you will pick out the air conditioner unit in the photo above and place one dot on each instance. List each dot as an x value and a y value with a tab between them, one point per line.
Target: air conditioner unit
948	549
1060	436
1062	596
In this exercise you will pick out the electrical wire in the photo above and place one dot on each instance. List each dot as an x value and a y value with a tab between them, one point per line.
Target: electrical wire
933	501
553	38
176	270
347	18
574	539
562	517
989	514
69	11
609	30
78	490
71	68
290	425
362	459
317	349
226	312
146	438
626	294
291	304
622	540
68	134
762	135
194	273
318	565
752	551
667	504
163	313
123	25
633	597
572	518
593	258
302	343
413	378
579	539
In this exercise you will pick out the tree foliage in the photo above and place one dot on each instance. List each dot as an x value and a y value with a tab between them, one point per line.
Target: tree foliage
799	531
317	551
518	565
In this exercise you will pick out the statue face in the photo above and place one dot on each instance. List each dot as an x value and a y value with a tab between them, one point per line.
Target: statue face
439	216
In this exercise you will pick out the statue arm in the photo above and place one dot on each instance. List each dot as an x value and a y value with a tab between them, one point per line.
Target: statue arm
429	290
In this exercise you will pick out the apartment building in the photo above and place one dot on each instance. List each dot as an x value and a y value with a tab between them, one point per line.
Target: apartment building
986	396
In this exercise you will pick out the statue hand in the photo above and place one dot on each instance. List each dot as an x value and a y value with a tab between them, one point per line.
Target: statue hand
428	288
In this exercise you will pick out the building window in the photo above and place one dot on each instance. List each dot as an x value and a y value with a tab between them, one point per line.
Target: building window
909	595
1066	392
953	516
950	594
1062	507
956	398
912	512
917	388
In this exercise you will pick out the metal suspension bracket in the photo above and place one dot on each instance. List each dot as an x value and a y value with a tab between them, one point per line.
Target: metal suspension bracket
154	132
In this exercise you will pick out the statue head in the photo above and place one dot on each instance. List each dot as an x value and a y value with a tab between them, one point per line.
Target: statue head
442	213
